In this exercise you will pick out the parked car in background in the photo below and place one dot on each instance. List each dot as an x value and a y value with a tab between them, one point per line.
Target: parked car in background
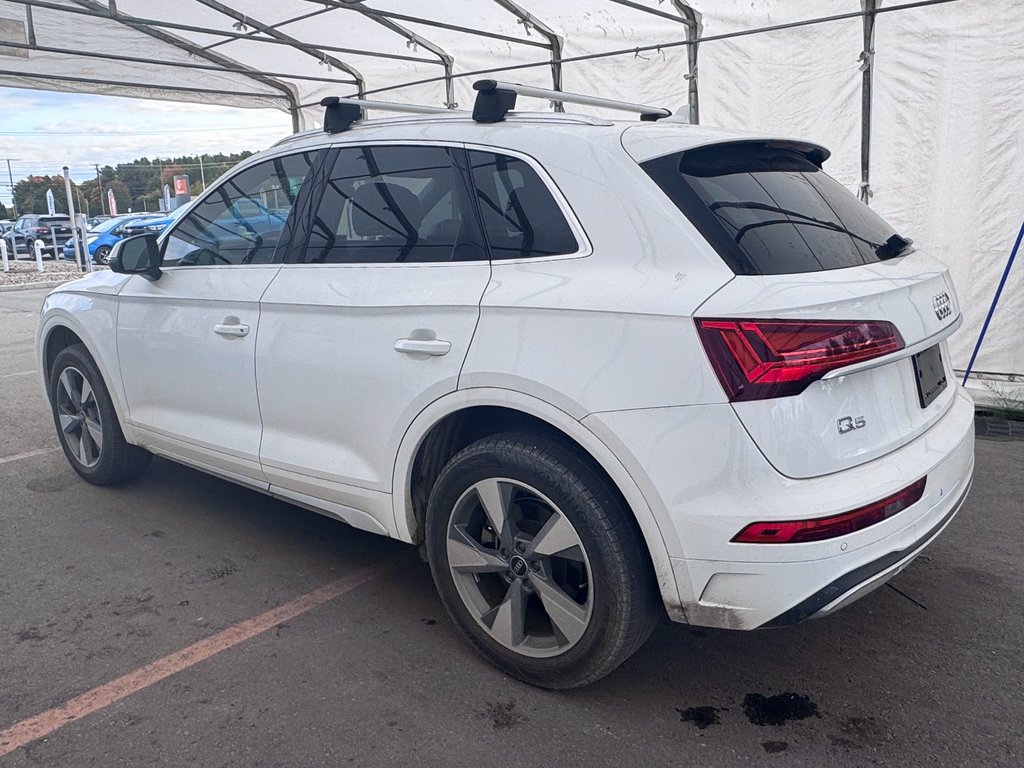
31	227
96	220
5	225
155	223
100	239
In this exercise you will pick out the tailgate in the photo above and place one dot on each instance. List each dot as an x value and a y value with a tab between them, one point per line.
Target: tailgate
865	410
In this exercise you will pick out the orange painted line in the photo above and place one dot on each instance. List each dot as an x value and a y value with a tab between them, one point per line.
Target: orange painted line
45	723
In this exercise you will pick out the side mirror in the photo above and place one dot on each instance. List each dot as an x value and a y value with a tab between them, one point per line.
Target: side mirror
138	255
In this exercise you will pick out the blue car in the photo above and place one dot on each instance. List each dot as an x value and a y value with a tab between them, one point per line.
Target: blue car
102	237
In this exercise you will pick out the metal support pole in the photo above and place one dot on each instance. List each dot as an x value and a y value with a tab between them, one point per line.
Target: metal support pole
202	172
81	225
694	29
14	198
74	228
867	57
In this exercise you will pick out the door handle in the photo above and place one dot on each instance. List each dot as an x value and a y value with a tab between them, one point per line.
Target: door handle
423	346
231	329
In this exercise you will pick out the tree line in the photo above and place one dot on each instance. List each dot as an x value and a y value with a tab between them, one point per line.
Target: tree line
137	185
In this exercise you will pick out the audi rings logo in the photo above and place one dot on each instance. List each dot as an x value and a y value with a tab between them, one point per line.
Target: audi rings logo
943	306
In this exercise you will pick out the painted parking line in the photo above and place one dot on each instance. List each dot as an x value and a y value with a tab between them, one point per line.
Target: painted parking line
45	723
27	455
12	375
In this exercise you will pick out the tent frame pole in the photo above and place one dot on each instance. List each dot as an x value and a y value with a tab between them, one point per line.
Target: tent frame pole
446	59
94	8
295	43
426	22
692	20
554	43
867	66
227	70
694	29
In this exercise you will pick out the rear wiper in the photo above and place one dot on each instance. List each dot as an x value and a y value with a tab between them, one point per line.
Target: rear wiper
895	246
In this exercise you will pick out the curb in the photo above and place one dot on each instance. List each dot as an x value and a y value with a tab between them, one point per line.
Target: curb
38	284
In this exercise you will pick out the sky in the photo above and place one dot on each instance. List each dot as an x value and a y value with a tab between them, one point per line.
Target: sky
42	131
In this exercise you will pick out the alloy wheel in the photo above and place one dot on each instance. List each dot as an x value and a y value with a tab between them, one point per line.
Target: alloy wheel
79	416
520	567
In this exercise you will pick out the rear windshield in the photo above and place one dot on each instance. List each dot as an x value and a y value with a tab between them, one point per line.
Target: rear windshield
769	210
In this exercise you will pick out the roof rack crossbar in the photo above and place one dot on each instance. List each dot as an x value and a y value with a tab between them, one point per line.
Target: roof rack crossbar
495	99
340	113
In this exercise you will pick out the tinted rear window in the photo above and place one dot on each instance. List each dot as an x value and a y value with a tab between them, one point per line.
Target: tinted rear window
520	216
769	210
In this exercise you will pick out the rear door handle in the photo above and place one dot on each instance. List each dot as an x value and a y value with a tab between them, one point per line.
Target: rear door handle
231	329
423	346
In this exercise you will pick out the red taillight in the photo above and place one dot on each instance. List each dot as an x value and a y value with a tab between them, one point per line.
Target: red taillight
758	359
793	531
41	230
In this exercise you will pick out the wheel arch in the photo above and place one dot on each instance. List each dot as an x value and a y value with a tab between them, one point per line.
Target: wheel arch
58	330
452	422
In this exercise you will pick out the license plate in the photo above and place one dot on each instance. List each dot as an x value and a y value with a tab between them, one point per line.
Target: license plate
930	374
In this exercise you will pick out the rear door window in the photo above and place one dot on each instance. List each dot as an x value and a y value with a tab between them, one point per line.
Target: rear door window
520	215
395	204
768	209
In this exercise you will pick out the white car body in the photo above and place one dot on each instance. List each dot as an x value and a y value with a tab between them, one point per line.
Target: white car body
314	404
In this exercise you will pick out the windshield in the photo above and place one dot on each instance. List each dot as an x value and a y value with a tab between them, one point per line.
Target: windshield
772	211
106	226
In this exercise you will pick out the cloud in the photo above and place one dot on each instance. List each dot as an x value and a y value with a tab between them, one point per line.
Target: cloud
109	130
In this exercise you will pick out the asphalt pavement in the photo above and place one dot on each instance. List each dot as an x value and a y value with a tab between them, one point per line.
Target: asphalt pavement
138	628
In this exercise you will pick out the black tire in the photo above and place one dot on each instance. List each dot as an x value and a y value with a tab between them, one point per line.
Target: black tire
625	605
115	460
102	254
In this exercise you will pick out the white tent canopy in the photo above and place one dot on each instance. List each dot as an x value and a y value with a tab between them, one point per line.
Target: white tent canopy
920	106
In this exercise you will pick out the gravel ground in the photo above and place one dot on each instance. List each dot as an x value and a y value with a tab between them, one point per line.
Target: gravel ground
25	272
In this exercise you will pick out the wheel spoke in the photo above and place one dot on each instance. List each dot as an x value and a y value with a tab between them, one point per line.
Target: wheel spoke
95	432
555	537
68	422
568	616
508	619
74	397
83	450
86	394
468	556
496	497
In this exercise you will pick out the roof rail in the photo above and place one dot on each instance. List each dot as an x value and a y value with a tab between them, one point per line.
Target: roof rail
496	99
339	113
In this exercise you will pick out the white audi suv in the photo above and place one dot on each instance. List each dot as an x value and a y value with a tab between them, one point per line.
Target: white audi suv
599	371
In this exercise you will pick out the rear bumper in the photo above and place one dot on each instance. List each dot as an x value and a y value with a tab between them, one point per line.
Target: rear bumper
705	481
854	584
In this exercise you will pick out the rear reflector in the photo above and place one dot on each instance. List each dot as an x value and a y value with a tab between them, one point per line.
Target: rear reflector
794	531
759	359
